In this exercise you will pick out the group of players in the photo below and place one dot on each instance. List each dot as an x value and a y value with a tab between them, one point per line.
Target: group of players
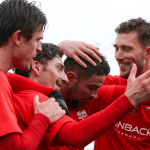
48	104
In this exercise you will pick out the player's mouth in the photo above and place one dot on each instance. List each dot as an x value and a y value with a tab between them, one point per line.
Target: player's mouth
123	65
59	83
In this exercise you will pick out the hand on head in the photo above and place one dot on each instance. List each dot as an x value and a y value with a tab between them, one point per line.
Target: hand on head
74	49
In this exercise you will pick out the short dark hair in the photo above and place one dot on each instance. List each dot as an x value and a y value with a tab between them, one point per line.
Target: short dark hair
20	15
49	51
138	25
86	73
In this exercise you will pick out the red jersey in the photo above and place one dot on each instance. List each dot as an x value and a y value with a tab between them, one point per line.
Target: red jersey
23	96
11	135
115	80
131	132
7	114
76	134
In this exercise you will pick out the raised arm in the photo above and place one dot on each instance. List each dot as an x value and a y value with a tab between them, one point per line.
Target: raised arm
79	134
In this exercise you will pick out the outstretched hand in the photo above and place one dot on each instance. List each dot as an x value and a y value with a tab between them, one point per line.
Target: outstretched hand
74	49
138	89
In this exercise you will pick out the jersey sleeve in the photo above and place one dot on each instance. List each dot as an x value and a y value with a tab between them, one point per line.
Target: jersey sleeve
49	138
30	138
79	134
25	83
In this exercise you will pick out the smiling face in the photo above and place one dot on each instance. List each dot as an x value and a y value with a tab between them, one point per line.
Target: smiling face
52	74
128	51
80	91
27	51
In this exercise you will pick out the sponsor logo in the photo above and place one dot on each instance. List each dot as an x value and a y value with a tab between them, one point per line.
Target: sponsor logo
82	114
132	132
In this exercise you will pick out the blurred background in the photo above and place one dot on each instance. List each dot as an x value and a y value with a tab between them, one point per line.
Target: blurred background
91	21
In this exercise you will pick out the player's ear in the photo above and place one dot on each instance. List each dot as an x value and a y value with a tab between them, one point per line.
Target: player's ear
36	67
18	37
72	77
147	53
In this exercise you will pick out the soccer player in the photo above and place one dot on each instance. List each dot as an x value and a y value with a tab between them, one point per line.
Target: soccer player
21	29
86	88
132	45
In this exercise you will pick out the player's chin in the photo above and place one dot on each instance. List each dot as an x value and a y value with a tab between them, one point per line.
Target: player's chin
125	74
26	67
57	87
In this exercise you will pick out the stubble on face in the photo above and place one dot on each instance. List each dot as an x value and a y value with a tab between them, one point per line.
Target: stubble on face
129	51
73	99
140	66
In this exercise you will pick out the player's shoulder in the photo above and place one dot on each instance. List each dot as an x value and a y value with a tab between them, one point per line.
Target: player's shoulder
115	80
28	95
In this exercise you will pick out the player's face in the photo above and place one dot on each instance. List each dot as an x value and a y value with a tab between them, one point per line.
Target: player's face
128	51
86	89
28	50
53	74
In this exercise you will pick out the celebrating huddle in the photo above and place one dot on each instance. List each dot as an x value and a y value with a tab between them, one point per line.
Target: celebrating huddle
50	104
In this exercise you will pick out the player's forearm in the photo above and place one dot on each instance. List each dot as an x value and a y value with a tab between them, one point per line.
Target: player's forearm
30	138
79	134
